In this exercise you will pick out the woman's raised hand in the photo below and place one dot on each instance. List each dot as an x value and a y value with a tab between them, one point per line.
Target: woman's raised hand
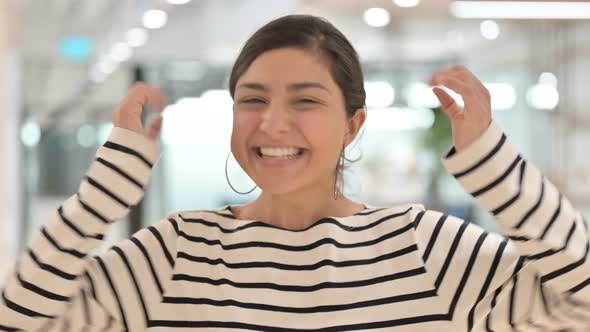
471	122
128	114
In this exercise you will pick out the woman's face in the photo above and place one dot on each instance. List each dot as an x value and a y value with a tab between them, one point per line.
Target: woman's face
289	124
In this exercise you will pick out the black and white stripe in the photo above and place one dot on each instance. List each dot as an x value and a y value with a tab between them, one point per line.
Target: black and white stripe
397	269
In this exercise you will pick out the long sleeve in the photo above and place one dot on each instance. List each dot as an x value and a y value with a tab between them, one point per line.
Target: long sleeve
542	270
56	283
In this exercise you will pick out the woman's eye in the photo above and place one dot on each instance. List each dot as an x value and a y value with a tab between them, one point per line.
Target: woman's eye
307	101
252	101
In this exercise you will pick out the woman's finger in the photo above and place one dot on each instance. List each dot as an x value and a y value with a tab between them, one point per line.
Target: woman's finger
458	72
154	128
146	95
447	102
469	78
128	114
464	90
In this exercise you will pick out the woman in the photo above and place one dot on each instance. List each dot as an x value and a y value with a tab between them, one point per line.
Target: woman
302	257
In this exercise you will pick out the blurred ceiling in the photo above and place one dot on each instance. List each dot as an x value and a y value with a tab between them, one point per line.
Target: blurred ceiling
212	32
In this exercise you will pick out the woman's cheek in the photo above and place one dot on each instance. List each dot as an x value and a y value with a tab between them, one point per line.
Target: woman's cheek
322	129
244	127
237	135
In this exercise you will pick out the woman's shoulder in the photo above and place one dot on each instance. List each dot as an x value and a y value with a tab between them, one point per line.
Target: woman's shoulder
214	213
422	218
407	208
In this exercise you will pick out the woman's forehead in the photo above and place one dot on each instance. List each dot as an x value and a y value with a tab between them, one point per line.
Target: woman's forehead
286	68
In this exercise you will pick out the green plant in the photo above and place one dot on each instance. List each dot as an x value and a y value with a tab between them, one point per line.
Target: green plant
439	138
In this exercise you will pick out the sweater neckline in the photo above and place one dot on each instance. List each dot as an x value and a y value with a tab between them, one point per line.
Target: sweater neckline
230	209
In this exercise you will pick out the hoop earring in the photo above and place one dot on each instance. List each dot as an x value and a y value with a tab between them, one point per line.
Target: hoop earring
228	182
339	174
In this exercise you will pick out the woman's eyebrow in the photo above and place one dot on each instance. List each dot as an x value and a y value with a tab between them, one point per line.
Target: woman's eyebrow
290	88
254	86
306	85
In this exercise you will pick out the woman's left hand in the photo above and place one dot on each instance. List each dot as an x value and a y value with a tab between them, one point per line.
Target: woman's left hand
471	122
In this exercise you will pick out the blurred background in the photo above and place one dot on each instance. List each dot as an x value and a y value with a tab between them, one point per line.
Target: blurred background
65	64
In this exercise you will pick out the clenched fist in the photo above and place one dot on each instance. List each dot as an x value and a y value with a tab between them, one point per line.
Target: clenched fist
128	114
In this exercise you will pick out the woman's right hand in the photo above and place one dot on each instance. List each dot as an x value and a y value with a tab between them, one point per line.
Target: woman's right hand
128	114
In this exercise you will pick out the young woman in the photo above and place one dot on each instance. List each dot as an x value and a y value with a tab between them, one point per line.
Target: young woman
302	257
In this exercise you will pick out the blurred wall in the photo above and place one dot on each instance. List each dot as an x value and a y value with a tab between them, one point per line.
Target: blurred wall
10	206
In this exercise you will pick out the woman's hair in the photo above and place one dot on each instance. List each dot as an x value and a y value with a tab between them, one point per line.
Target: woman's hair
315	35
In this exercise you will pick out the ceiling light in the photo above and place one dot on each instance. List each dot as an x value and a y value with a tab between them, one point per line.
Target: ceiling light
136	37
121	52
543	96
178	2
379	94
377	17
548	78
407	3
489	29
154	19
503	95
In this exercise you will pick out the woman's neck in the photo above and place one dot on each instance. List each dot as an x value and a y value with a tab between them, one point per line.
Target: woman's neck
296	213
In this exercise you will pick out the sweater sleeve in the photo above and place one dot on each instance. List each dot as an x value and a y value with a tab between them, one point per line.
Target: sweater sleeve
56	283
543	264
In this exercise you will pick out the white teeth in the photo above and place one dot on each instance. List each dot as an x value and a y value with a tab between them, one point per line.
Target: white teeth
279	152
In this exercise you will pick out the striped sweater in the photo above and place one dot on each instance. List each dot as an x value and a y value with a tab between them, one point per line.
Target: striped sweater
401	268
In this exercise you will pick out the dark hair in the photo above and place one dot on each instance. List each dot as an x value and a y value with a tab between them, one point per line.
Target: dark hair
314	34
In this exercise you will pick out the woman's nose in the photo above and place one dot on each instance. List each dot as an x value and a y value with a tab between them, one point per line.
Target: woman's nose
275	120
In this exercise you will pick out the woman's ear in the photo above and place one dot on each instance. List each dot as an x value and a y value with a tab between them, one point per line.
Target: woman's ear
354	125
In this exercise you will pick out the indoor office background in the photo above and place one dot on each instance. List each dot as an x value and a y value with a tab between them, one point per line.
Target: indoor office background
65	65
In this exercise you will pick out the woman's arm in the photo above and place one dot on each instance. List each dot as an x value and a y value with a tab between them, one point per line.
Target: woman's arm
544	225
55	271
549	238
540	276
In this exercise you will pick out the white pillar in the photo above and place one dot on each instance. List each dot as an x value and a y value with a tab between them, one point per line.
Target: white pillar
10	156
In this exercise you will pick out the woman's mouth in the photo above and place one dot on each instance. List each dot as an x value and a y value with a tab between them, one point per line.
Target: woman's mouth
279	156
279	153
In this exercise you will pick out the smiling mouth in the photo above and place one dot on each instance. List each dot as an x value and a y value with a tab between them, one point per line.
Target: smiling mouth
280	153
